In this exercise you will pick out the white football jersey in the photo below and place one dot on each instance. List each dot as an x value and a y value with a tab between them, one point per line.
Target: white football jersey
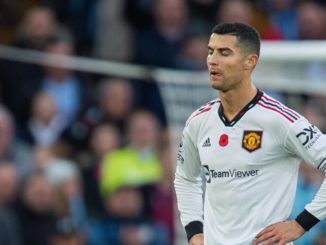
251	166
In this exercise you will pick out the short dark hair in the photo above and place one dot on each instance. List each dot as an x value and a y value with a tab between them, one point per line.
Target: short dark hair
248	37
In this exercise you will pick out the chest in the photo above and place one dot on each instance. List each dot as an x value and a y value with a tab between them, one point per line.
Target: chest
239	147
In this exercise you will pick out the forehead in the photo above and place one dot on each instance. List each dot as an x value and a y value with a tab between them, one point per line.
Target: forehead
223	41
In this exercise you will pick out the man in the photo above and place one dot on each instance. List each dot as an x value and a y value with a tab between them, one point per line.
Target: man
249	146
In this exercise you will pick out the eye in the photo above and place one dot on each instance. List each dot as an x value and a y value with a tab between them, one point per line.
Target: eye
210	51
225	53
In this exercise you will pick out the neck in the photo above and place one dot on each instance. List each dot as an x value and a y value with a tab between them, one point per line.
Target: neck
234	100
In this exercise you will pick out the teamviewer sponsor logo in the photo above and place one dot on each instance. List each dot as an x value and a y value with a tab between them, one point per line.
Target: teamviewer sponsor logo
231	173
309	136
207	174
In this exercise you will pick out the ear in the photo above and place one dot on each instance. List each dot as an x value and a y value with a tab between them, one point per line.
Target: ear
250	62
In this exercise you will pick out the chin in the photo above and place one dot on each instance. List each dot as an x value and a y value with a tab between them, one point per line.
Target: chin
216	85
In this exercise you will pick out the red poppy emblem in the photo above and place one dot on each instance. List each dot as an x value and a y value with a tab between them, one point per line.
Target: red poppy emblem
224	140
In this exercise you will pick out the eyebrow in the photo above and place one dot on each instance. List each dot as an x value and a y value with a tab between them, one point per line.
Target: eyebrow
224	49
219	49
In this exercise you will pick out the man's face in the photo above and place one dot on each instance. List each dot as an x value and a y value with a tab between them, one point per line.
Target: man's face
225	61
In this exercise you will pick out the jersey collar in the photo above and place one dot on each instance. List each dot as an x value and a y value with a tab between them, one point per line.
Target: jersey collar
251	104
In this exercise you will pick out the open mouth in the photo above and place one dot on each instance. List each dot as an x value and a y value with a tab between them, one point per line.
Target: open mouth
215	73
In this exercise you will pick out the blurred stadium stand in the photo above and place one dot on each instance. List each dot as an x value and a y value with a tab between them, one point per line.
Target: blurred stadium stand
74	74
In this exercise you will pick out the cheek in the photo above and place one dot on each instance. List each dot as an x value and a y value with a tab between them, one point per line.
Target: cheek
236	68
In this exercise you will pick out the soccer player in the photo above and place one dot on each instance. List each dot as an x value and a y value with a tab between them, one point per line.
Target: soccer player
249	146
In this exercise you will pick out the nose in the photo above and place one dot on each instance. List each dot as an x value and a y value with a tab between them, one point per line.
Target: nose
212	59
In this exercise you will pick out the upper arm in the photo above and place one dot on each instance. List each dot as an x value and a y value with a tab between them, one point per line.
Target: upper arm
189	166
307	142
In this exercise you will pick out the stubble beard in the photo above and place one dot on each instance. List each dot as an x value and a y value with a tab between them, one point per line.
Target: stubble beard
217	86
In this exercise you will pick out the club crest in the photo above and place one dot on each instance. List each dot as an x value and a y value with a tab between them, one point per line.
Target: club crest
251	140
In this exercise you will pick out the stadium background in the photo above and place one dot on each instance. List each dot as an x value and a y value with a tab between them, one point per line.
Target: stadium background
87	145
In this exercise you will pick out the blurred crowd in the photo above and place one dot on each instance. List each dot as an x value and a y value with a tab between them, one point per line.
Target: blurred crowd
87	159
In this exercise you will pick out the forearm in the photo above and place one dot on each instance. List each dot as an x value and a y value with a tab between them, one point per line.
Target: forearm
314	211
189	199
188	186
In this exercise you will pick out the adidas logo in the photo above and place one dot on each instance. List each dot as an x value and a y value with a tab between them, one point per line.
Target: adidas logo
207	142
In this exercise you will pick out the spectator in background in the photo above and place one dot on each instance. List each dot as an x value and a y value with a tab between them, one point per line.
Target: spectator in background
6	132
158	45
311	21
126	220
244	11
104	139
63	84
10	12
9	231
79	17
12	149
311	111
162	198
282	14
42	155
38	26
193	53
114	36
235	11
35	210
115	101
64	176
139	158
138	13
44	126
203	11
8	183
65	233
148	96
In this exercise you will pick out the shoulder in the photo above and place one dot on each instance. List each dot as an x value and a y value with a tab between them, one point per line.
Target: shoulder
202	111
274	109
